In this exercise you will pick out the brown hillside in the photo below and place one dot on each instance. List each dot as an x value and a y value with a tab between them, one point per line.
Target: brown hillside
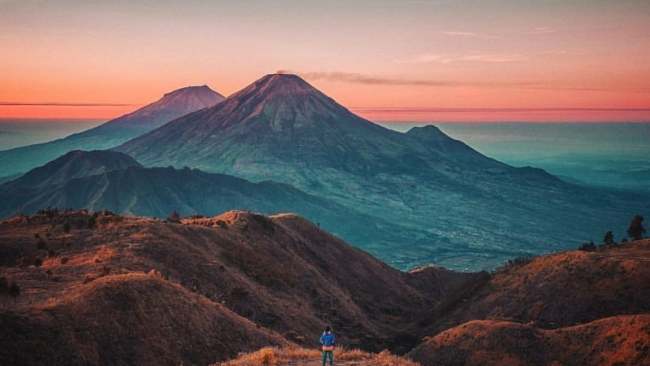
110	289
292	356
620	340
135	318
90	301
559	290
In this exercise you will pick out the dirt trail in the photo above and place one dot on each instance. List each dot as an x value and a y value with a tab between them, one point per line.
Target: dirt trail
319	363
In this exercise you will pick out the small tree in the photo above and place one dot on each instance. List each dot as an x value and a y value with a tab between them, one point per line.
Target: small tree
609	238
66	227
174	217
636	229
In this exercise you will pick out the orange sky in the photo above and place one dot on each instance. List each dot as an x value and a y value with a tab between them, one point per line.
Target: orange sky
492	60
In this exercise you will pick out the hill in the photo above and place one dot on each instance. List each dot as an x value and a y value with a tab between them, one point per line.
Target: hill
112	133
181	291
561	289
108	180
446	202
74	164
103	288
570	308
619	340
131	318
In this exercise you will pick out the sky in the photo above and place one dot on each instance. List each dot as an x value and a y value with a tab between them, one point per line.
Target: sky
484	60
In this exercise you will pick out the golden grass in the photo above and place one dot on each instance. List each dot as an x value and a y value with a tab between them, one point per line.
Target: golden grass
274	356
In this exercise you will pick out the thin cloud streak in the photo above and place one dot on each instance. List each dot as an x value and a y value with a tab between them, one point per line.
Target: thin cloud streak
478	57
541	31
358	78
469	35
55	104
537	31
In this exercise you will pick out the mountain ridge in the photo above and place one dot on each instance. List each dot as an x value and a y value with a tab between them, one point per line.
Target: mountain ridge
114	132
283	129
108	180
208	288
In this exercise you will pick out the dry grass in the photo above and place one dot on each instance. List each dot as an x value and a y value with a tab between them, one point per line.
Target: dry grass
273	356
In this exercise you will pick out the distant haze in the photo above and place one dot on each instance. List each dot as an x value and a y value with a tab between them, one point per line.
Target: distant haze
606	154
21	132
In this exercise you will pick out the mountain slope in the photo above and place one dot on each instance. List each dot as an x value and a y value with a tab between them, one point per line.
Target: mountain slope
280	121
89	300
619	340
571	308
561	289
450	204
108	180
75	164
171	324
110	289
112	133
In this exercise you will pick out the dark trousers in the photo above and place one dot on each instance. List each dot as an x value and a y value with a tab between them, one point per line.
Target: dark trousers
326	355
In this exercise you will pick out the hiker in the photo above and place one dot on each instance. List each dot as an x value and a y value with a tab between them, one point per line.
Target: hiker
328	340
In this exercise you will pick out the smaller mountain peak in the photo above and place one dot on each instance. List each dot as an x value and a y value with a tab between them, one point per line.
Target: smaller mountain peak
192	90
426	128
76	164
428	132
187	99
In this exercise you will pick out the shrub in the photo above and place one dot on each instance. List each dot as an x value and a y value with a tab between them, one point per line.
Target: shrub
268	357
588	247
66	227
519	261
38	262
174	217
64	260
636	229
92	222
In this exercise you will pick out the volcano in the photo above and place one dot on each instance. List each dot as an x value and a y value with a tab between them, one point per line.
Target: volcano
281	123
112	133
449	203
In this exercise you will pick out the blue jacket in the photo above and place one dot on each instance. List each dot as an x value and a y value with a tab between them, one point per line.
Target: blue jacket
328	339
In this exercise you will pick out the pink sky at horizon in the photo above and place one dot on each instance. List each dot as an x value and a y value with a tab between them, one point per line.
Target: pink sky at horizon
494	60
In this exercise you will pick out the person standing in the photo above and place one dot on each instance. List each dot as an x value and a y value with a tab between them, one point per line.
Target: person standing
328	341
